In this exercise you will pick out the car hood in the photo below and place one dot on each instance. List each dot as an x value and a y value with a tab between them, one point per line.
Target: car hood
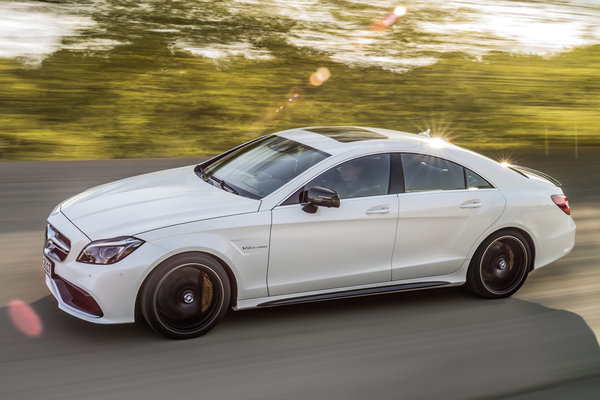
151	201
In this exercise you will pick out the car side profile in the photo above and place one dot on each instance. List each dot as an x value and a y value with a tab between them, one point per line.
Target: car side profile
301	215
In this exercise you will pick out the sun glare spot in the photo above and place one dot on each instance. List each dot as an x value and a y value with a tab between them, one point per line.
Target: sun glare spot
389	20
320	76
24	318
437	142
399	11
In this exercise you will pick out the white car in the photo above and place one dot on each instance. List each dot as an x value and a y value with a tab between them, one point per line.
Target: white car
301	215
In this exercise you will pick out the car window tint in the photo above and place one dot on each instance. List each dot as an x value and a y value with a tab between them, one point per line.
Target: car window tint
423	173
475	181
361	177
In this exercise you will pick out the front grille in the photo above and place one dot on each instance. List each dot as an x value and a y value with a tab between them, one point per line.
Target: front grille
57	245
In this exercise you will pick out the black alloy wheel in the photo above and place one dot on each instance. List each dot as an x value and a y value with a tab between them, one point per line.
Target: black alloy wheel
186	296
500	265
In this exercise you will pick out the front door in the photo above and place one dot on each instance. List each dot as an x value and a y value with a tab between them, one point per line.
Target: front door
337	247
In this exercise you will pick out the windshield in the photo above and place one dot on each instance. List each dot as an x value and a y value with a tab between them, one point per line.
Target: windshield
260	167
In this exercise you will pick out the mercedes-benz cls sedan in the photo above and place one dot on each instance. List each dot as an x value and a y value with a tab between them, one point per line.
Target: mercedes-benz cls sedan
301	215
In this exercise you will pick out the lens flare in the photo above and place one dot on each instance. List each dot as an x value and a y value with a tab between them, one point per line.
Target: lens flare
439	128
437	142
320	76
291	97
399	11
389	20
24	318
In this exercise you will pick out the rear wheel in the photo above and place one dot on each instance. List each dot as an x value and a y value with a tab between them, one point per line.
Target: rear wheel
500	265
186	296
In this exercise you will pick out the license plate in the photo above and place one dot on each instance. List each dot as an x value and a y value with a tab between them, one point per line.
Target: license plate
47	265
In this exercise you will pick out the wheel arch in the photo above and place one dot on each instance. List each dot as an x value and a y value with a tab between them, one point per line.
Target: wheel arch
520	230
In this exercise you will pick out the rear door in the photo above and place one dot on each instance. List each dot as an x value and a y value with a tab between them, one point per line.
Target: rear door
444	208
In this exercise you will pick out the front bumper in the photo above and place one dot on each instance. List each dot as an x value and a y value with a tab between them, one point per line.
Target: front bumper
114	288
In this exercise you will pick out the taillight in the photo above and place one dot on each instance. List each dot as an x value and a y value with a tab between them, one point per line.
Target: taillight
562	203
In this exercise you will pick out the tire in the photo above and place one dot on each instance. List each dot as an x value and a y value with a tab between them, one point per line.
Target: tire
185	296
500	265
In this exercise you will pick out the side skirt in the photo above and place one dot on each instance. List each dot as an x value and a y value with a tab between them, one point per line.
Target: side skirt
354	293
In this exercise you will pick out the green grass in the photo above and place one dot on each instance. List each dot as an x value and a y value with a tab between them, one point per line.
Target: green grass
144	100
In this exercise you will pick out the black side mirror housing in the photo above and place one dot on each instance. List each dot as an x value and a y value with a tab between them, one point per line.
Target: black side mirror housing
320	196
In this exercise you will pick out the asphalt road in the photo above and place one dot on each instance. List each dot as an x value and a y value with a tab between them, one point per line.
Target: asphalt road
442	343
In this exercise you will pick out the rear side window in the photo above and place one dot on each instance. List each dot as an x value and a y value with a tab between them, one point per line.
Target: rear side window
425	173
475	181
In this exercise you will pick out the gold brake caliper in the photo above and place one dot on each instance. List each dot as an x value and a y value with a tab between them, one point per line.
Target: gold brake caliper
207	292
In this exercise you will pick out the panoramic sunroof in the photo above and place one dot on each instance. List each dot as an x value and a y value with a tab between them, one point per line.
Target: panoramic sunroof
346	134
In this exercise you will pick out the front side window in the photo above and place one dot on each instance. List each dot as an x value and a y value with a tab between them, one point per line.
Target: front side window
361	177
424	173
260	167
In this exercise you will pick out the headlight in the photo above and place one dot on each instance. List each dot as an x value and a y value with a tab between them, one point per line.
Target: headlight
109	251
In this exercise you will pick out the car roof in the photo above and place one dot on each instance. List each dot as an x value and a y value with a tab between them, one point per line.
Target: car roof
356	140
341	139
345	142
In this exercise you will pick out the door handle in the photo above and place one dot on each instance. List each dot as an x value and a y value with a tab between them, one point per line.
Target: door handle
378	210
471	204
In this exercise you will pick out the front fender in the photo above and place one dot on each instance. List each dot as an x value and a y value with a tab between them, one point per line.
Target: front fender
241	241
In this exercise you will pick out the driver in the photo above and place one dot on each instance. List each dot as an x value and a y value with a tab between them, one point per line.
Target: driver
350	179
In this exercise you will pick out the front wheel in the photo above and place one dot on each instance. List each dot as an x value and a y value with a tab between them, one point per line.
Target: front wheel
186	296
500	265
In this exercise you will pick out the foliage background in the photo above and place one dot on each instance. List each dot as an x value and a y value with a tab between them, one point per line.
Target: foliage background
146	98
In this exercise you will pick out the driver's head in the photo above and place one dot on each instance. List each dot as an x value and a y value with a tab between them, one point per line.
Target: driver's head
350	171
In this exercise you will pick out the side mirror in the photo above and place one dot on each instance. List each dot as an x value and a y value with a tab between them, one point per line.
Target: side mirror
320	196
